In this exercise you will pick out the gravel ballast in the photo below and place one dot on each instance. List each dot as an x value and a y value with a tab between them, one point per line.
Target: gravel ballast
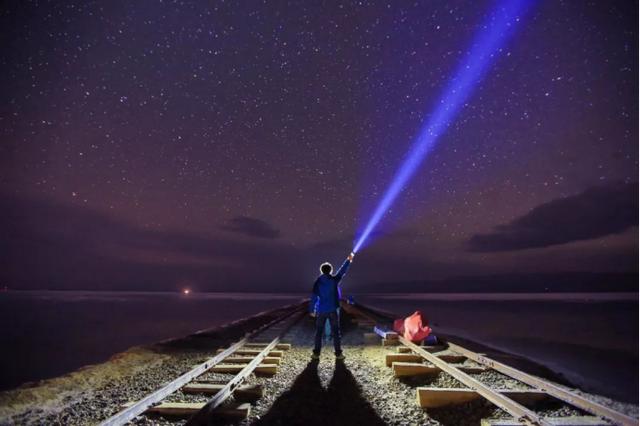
359	390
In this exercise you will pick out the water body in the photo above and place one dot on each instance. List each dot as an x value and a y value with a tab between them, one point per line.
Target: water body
46	334
590	338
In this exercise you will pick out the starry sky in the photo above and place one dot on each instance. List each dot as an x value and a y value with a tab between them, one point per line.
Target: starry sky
220	145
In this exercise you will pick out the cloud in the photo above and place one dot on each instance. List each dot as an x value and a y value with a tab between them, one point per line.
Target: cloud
46	244
252	227
594	213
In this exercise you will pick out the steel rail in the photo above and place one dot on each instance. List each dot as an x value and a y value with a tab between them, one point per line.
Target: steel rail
520	412
141	406
204	415
540	384
548	387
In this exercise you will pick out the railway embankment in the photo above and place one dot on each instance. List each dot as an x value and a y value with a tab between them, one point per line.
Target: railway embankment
366	388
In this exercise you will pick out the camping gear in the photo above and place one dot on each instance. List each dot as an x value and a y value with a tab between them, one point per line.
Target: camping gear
413	328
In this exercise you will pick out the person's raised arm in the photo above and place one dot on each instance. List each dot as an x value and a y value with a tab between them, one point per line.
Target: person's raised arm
345	266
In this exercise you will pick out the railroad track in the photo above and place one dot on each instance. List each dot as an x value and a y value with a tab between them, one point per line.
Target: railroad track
413	360
260	351
206	390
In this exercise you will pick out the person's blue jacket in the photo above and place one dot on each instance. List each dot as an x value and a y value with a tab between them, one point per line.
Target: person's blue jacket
326	293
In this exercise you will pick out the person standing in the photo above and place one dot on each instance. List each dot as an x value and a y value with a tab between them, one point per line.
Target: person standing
325	301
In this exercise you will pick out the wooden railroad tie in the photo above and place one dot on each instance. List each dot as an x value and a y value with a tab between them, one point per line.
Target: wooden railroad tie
247	359
441	397
254	352
187	409
244	393
403	369
411	357
267	369
279	346
402	357
430	349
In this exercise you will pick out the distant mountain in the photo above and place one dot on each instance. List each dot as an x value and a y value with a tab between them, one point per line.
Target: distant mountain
570	282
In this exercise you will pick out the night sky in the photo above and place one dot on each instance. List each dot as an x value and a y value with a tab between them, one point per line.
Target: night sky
156	145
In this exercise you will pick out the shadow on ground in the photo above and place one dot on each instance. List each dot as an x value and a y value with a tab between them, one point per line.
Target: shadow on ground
308	403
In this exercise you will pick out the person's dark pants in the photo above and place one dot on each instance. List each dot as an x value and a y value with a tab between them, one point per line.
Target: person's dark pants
321	318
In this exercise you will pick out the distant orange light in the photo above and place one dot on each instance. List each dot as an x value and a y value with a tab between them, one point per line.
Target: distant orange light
186	291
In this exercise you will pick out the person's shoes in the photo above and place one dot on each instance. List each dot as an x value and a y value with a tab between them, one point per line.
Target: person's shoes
339	356
315	355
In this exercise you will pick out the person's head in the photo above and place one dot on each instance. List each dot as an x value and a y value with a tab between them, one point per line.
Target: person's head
326	268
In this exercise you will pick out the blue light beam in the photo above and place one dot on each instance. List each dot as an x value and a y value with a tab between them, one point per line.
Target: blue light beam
488	43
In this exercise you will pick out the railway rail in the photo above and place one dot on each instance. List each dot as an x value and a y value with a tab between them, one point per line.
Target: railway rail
261	351
242	358
449	358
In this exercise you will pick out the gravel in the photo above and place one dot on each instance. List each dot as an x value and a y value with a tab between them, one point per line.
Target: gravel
360	390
